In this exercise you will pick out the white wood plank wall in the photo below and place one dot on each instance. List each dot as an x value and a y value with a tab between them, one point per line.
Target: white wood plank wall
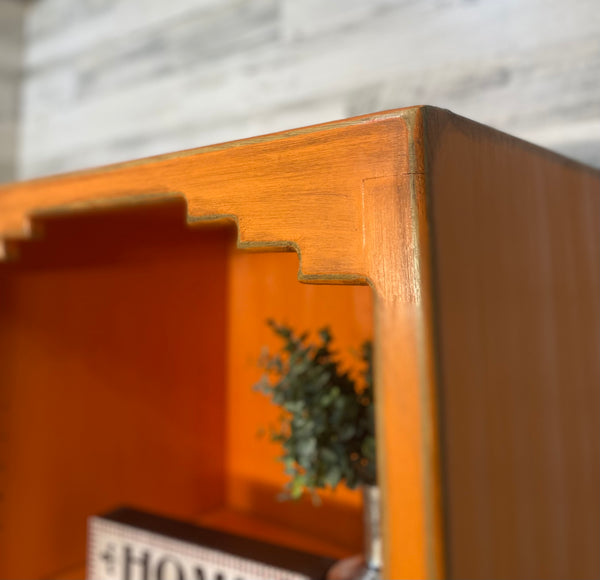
109	80
11	44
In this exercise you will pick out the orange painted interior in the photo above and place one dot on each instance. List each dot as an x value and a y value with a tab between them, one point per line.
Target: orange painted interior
482	253
129	360
263	286
345	194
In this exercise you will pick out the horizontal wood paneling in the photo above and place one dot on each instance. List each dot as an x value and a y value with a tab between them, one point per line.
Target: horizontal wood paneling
12	15
115	80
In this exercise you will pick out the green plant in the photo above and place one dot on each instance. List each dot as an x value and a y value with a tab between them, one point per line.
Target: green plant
327	426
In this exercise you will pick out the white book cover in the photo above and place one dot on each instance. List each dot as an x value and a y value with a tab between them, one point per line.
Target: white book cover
128	544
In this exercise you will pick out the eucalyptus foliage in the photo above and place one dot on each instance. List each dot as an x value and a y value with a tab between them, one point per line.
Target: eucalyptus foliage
327	426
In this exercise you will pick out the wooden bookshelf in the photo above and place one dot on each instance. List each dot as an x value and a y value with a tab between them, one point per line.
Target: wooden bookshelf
132	308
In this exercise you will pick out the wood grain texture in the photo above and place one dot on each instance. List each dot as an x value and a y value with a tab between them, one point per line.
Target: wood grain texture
121	79
301	180
406	411
517	253
345	197
482	254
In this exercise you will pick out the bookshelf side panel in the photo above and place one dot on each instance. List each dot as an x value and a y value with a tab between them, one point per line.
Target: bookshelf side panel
516	238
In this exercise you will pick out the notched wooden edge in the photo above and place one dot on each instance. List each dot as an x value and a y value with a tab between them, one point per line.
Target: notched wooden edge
34	230
9	243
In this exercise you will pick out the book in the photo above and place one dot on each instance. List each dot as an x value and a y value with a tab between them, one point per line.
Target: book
129	544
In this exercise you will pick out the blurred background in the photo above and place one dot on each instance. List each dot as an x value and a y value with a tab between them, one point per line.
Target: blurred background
90	82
